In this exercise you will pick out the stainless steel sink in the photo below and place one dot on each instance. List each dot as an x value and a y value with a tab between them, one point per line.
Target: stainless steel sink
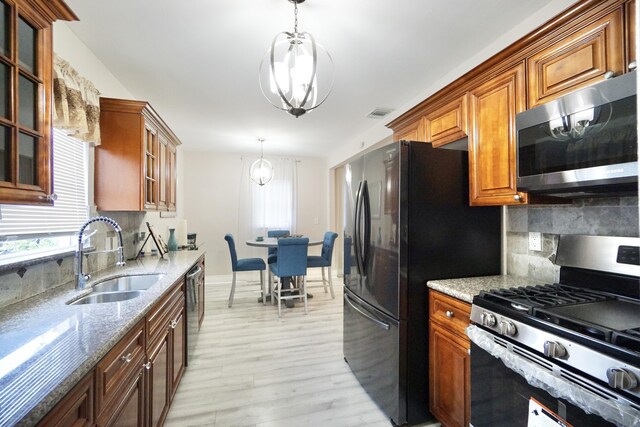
136	282
97	298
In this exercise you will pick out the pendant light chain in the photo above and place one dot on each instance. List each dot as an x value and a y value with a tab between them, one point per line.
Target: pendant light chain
295	15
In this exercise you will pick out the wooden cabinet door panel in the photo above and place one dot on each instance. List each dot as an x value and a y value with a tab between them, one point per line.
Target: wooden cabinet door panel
130	410
492	141
578	60
117	367
630	30
178	349
158	384
449	365
448	123
75	409
411	132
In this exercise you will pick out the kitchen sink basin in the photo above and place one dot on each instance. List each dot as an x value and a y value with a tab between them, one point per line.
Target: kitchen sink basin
137	282
97	298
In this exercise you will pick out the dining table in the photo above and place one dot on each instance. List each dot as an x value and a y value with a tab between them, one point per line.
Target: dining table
272	242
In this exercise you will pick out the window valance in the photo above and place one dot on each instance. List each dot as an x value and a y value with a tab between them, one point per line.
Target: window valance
76	103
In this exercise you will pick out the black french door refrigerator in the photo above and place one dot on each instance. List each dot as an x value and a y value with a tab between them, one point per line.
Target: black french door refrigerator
408	220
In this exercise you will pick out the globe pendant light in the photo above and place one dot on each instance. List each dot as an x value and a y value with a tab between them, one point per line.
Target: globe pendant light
261	170
296	73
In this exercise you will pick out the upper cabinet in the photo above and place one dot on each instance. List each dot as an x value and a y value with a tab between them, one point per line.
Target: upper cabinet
447	123
577	60
26	61
577	48
492	139
135	165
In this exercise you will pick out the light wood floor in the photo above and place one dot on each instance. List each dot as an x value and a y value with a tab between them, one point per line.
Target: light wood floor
252	369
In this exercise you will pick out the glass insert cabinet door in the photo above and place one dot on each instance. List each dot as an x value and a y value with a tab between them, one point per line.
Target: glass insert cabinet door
26	59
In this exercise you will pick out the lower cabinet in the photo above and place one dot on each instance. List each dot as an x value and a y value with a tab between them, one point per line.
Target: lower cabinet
134	384
449	360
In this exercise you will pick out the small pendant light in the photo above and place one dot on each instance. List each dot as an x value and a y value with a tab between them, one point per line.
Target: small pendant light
261	170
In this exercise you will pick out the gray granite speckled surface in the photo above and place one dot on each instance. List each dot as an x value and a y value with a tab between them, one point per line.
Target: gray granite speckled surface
465	289
47	346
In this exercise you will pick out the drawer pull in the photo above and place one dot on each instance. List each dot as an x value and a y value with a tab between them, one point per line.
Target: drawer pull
174	323
449	314
128	358
147	366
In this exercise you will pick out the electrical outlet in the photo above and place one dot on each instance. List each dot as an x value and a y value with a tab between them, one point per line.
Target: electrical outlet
535	241
316	220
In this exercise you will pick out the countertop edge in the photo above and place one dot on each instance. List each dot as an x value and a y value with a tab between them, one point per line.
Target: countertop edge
38	411
464	289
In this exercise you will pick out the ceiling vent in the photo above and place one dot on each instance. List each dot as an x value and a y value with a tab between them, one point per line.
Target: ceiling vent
379	113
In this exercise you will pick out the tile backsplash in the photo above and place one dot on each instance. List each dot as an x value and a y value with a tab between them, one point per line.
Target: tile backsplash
31	278
617	216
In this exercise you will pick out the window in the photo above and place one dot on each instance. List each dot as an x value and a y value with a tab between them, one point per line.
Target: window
30	231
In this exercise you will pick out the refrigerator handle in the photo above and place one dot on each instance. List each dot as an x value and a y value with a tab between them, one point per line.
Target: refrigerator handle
366	242
363	313
356	230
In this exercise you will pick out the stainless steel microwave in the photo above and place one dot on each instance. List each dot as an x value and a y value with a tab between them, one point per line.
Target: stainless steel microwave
583	143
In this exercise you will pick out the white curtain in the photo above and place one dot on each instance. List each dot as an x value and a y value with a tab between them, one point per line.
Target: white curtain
267	207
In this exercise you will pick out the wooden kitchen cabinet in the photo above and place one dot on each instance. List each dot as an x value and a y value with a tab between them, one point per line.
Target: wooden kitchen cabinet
166	333
577	60
26	88
411	132
158	381
449	360
117	373
492	139
447	123
130	411
630	34
75	409
135	165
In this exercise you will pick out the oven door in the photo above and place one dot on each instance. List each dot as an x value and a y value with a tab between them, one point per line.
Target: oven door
513	386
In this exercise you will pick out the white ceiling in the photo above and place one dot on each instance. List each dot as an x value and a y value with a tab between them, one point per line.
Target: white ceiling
197	61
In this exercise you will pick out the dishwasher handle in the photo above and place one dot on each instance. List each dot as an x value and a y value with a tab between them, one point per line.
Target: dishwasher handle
194	273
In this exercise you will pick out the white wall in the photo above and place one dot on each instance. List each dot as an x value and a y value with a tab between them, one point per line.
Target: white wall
70	48
211	199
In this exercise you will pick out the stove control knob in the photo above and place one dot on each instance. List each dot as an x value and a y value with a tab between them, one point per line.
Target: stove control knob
554	349
507	328
488	319
622	379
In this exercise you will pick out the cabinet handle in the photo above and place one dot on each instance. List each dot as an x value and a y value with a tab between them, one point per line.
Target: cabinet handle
147	366
128	358
517	197
174	323
449	314
609	75
50	197
633	65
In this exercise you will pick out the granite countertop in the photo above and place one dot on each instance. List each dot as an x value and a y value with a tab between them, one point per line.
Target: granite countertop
47	346
466	288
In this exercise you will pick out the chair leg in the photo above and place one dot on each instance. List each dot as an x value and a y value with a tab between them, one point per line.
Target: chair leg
262	285
304	293
333	295
324	281
233	289
278	296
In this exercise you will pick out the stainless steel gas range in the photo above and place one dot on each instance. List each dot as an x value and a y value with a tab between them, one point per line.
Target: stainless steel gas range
563	354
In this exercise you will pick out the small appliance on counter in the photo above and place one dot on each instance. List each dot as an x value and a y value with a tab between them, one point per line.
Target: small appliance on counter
191	242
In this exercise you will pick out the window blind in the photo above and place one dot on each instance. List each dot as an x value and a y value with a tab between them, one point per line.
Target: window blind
70	210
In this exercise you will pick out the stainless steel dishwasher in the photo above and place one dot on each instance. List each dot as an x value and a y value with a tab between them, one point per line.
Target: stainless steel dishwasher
193	278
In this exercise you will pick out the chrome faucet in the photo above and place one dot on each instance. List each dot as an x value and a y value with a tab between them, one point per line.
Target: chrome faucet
81	278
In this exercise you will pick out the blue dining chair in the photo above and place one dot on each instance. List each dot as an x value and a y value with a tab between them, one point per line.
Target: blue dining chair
273	252
324	260
291	262
244	264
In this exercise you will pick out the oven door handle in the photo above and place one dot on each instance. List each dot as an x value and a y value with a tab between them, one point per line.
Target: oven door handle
363	313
